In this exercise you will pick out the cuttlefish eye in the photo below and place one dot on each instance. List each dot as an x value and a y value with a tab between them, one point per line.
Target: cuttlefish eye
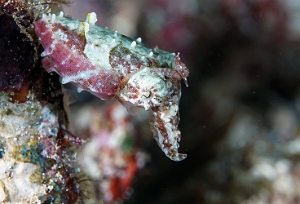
145	89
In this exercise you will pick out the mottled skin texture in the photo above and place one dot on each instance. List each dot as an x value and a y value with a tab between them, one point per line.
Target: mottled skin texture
110	65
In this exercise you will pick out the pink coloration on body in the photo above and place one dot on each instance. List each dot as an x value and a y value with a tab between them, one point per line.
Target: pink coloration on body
71	63
108	65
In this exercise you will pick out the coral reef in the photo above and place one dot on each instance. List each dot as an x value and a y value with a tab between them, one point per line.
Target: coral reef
112	157
37	155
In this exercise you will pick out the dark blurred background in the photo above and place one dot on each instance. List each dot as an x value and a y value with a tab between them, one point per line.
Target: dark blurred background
240	113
